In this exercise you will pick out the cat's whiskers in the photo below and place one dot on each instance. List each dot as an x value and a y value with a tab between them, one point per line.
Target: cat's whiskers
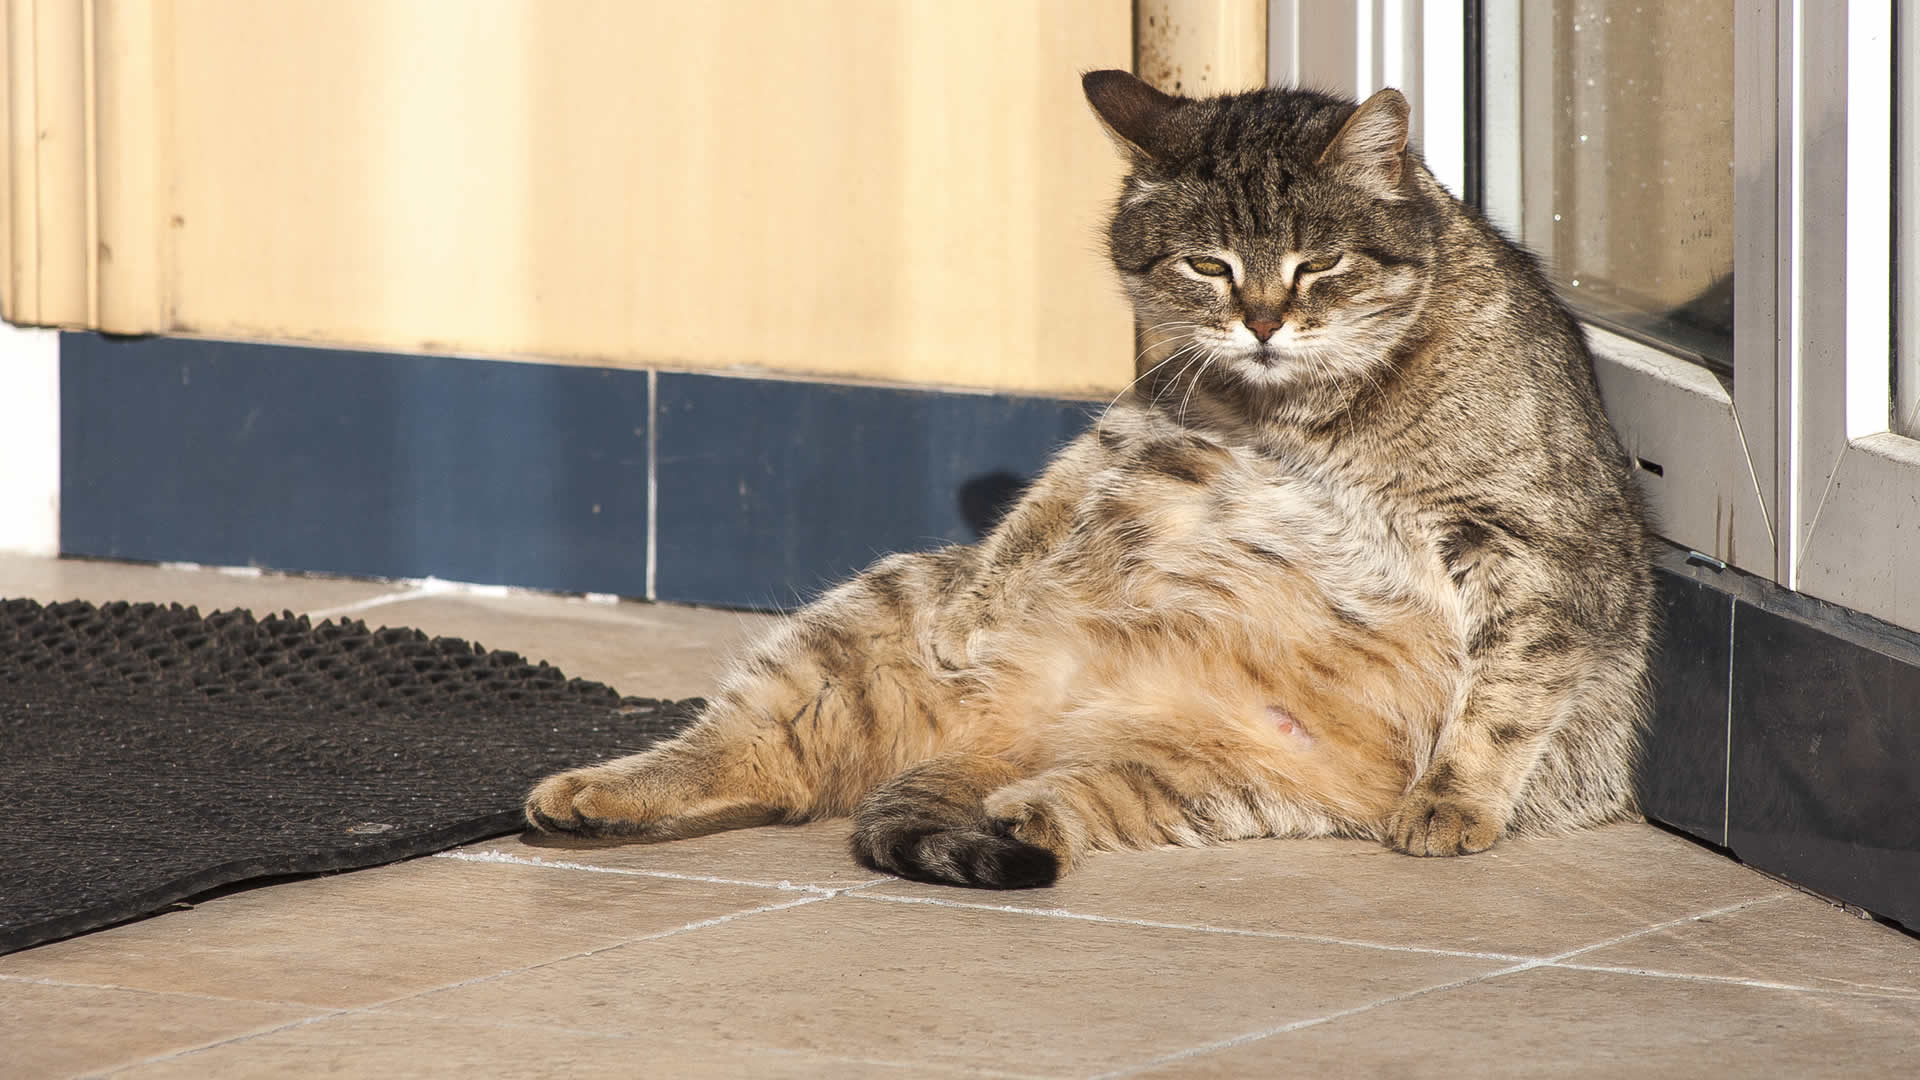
1192	352
1213	354
1151	370
1196	363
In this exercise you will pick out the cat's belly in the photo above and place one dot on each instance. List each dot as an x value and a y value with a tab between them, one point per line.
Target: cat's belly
1203	598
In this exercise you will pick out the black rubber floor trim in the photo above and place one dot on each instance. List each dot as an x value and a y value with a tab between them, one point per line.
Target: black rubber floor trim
148	755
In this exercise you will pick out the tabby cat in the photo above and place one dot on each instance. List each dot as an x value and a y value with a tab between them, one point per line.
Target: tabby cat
1358	556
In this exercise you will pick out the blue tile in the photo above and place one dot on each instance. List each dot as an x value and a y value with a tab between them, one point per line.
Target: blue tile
1683	770
771	490
353	462
1825	772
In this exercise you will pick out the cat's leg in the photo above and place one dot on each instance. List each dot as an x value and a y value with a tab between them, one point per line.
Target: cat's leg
1131	772
1068	812
930	823
1545	741
1462	802
967	819
1134	804
835	701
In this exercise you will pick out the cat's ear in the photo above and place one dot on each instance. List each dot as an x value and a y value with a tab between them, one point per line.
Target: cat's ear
1134	113
1370	150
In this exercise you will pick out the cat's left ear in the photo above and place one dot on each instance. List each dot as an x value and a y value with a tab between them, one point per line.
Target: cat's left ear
1370	151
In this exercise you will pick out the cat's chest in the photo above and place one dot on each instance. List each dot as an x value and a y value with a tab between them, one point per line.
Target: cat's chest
1414	498
1368	487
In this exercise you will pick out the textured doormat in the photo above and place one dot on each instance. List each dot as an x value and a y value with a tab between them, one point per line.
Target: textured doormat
148	754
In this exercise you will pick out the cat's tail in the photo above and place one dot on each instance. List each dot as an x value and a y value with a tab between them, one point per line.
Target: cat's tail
929	823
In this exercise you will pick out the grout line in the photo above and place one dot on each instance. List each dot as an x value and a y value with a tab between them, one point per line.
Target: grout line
1256	1036
700	924
1529	965
364	605
64	984
840	890
1281	935
653	483
533	860
1726	787
1735	980
416	588
1668	925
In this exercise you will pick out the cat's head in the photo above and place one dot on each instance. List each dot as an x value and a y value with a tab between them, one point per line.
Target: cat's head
1280	234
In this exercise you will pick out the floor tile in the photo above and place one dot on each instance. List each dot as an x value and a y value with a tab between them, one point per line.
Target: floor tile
1796	940
48	1030
1560	1023
358	938
1530	897
387	1044
100	581
646	650
864	979
490	964
813	854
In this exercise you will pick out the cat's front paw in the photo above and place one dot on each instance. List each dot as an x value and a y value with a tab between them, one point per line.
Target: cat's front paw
1425	823
595	801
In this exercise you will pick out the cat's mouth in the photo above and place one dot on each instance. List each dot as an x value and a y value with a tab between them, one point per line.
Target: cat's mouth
1267	355
1265	360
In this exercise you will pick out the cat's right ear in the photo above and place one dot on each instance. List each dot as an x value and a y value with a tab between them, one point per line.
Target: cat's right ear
1134	113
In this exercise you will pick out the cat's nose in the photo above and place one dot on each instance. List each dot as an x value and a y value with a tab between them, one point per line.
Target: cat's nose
1263	328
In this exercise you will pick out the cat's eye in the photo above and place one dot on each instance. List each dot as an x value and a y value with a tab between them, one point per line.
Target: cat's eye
1317	266
1210	267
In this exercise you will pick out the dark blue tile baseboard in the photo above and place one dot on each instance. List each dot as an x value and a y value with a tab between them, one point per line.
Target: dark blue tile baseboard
1683	775
772	490
385	465
1814	711
355	463
1826	762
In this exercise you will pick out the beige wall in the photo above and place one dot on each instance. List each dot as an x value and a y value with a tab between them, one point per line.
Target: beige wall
870	188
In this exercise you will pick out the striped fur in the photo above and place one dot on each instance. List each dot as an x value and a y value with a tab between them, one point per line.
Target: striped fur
1383	575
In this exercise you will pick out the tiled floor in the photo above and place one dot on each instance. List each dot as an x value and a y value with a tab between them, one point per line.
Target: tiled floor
1623	952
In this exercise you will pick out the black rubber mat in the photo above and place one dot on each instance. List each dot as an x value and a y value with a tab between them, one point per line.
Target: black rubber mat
148	754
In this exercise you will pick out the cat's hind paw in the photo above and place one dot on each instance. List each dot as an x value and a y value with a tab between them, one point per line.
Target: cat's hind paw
1428	824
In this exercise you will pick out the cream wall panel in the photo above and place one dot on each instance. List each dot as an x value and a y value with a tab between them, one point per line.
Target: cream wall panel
131	131
868	188
50	227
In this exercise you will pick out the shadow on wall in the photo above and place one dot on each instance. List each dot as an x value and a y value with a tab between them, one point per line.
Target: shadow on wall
986	498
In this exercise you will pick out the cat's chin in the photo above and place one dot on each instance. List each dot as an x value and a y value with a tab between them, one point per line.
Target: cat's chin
1277	367
1270	366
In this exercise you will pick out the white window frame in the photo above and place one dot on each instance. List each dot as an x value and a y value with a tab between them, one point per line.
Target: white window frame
1796	475
1855	490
